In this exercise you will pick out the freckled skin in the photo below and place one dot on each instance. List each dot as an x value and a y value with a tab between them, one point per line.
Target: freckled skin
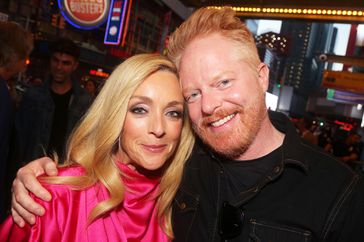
225	95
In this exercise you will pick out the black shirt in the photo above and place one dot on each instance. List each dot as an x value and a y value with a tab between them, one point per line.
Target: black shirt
59	126
242	175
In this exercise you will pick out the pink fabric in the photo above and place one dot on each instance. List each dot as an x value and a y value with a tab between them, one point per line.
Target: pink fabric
66	215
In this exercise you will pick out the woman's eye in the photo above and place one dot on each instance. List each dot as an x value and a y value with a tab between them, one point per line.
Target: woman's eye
175	114
138	110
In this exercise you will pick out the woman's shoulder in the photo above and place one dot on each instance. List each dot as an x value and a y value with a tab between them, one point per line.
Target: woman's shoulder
59	188
72	170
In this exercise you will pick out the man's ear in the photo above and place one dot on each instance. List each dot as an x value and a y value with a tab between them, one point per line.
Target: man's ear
263	76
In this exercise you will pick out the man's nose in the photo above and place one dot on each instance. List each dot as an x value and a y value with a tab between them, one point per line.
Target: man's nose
209	102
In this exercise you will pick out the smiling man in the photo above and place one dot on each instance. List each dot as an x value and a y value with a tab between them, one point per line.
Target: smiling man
252	178
47	114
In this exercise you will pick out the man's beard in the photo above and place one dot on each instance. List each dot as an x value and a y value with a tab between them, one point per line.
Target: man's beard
233	144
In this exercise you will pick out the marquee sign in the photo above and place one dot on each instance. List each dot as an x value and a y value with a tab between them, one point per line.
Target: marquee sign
85	14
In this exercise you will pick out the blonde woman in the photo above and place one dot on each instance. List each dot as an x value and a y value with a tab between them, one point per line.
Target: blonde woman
124	162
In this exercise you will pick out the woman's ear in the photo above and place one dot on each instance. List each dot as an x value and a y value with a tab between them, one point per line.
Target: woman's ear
263	76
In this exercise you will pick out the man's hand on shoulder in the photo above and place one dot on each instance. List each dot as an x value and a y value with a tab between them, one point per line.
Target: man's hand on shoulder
24	208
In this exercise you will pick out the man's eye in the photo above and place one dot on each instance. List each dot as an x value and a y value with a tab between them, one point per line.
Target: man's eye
192	97
224	82
138	110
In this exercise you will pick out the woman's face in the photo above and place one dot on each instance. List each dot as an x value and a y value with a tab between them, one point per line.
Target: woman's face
153	122
90	87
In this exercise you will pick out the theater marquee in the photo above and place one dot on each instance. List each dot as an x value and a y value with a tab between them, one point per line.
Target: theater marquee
85	14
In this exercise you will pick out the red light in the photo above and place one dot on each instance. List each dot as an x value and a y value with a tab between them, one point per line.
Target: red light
99	73
344	126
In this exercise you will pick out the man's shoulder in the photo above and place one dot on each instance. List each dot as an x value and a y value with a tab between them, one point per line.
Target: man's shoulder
34	93
327	168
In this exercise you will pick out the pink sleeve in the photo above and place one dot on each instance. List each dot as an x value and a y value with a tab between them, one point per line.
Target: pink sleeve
45	228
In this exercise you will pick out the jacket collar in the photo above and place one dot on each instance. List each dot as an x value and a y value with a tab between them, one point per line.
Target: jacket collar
294	151
76	87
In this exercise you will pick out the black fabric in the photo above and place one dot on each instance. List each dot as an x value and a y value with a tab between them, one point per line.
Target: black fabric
59	126
307	196
7	109
250	170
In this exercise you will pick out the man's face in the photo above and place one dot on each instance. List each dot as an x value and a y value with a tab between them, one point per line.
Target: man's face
225	95
62	67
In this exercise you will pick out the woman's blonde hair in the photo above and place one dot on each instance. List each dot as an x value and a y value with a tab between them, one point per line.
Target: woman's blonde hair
95	141
206	21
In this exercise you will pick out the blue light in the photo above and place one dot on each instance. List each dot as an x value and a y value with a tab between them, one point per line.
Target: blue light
74	24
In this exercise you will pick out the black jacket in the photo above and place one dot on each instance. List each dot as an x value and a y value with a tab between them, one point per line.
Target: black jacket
308	196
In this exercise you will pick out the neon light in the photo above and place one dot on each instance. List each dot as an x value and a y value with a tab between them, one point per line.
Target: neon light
126	23
115	24
99	73
70	20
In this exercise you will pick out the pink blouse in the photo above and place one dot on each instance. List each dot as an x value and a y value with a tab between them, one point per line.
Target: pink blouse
66	214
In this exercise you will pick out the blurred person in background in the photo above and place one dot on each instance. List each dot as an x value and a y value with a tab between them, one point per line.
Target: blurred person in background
348	150
15	46
48	113
90	87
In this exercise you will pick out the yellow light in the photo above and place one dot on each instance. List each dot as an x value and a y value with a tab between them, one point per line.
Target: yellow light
323	11
334	12
309	11
250	9
328	11
285	10
276	10
264	10
360	13
344	12
304	11
314	11
338	12
319	11
281	10
299	11
355	13
290	10
258	9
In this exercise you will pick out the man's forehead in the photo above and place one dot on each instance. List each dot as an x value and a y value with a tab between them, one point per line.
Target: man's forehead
63	56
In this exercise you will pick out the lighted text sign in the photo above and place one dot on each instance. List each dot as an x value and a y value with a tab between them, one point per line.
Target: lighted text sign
85	14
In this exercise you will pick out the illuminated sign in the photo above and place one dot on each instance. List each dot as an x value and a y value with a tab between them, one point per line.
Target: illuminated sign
99	73
344	126
115	22
344	80
346	97
84	14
